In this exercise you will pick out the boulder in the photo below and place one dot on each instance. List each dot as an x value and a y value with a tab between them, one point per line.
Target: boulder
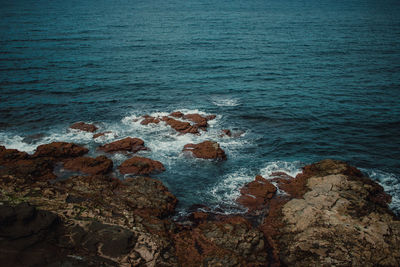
206	150
84	127
127	144
140	166
176	114
60	150
149	119
199	120
88	165
180	126
255	194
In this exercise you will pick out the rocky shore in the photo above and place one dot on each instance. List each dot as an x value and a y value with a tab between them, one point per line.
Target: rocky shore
328	215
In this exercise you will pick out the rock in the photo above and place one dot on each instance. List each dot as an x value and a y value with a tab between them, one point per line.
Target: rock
60	150
127	144
84	127
229	241
11	155
149	119
206	150
226	132
255	195
199	120
176	114
101	134
140	166
210	117
180	126
98	165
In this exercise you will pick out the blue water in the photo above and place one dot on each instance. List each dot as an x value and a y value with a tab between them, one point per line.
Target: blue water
305	80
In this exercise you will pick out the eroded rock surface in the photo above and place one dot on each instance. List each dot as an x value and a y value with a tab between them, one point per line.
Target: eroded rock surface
140	166
98	165
206	150
60	150
127	144
86	127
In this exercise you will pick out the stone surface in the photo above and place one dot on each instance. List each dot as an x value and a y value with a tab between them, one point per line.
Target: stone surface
206	150
88	165
255	194
84	127
60	150
181	126
127	144
100	134
140	166
149	119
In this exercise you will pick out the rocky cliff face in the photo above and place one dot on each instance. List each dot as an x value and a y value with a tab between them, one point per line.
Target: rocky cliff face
330	214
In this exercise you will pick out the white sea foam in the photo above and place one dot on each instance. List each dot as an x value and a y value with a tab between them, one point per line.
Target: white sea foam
225	102
291	168
390	183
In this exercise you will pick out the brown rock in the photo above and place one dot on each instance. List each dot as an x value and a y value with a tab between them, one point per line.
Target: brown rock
211	117
226	132
199	120
100	134
10	155
140	166
206	150
60	150
149	119
176	114
180	126
255	195
127	144
84	127
93	166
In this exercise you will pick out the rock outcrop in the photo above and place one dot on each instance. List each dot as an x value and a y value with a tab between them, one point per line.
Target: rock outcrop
60	150
140	166
149	119
84	127
127	144
88	165
206	150
181	126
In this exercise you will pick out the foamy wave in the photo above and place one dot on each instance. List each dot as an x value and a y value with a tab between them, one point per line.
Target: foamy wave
291	168
390	183
226	102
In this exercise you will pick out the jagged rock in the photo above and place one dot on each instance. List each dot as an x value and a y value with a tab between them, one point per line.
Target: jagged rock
60	150
226	132
199	120
127	144
180	126
100	134
11	155
98	165
206	150
140	166
149	119
255	194
176	114
84	127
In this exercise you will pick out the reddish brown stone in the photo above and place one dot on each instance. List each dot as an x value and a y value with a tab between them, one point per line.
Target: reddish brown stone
211	117
176	114
100	134
149	119
127	144
93	166
206	150
140	165
180	126
60	150
84	127
199	120
256	194
9	155
226	132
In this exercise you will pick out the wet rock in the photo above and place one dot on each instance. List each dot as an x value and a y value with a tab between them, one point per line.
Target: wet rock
140	166
98	165
226	132
176	114
199	120
149	119
127	144
180	126
60	150
11	155
100	134
84	127
255	195
206	150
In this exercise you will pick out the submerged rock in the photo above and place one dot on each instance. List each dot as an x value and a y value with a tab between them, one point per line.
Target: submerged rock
181	126
100	134
127	144
140	166
98	165
206	150
149	119
84	127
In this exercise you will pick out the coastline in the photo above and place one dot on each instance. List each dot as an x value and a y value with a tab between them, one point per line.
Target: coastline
330	213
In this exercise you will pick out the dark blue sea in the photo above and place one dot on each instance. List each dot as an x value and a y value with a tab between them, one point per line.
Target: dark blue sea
303	80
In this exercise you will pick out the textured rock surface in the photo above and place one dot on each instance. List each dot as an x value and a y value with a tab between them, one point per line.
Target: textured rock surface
100	134
206	150
140	166
84	127
149	119
98	165
60	150
127	144
181	126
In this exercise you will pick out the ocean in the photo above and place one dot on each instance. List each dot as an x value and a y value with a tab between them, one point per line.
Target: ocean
299	81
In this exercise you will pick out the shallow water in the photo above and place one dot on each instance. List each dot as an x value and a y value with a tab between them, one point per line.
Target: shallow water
304	81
